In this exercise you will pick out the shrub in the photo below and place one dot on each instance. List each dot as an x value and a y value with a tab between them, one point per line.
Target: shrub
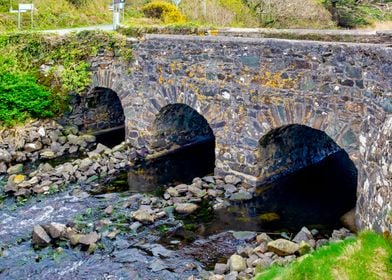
21	98
164	11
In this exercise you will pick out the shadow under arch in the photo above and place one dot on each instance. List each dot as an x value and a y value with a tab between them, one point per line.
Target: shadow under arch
100	113
185	145
308	181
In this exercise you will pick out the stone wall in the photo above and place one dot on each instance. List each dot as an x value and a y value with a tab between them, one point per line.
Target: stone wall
245	87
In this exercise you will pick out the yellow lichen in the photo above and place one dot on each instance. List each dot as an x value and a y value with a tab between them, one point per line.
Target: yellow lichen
19	178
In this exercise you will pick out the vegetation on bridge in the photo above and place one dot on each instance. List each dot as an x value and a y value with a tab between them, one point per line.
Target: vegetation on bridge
38	71
50	14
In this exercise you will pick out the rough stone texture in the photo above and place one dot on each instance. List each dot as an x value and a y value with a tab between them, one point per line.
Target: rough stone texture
99	109
244	87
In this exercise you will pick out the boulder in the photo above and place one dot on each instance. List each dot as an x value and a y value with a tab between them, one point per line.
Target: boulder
283	247
55	230
40	237
237	263
186	208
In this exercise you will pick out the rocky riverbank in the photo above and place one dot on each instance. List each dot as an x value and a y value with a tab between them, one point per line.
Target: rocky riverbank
39	140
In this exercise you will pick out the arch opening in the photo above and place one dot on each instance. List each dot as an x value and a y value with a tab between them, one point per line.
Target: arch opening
185	144
100	113
309	179
306	180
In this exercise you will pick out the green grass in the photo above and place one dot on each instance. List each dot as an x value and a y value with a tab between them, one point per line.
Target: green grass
28	92
367	257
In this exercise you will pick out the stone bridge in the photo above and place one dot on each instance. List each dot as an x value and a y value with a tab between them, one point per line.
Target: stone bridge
246	87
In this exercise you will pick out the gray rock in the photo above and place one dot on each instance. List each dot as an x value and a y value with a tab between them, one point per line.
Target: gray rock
15	169
47	155
231	276
40	237
229	188
88	138
32	147
240	196
236	263
283	247
209	180
303	235
186	208
3	168
172	192
85	164
348	220
244	235
143	216
182	188
231	179
263	238
134	226
220	268
55	230
5	156
196	191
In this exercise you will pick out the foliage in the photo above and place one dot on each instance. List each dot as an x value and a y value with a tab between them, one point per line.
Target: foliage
218	12
352	13
164	11
38	71
51	14
369	256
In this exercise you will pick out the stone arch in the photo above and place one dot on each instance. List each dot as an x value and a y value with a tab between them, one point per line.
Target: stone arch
179	125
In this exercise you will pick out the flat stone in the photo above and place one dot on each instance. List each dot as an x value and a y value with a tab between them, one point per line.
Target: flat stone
231	179
237	263
240	196
244	235
186	208
47	155
55	230
182	188
143	216
220	268
172	192
283	247
263	237
40	237
32	147
18	168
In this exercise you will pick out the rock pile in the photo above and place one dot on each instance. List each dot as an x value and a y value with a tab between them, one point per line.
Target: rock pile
45	235
39	140
219	190
99	164
265	252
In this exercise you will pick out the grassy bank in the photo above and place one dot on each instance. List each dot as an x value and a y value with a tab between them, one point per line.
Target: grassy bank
369	256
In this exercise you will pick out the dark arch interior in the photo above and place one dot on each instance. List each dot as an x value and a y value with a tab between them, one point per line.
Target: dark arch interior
100	113
188	144
308	181
315	180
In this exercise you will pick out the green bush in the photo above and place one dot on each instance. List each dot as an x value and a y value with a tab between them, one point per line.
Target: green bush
164	11
21	98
